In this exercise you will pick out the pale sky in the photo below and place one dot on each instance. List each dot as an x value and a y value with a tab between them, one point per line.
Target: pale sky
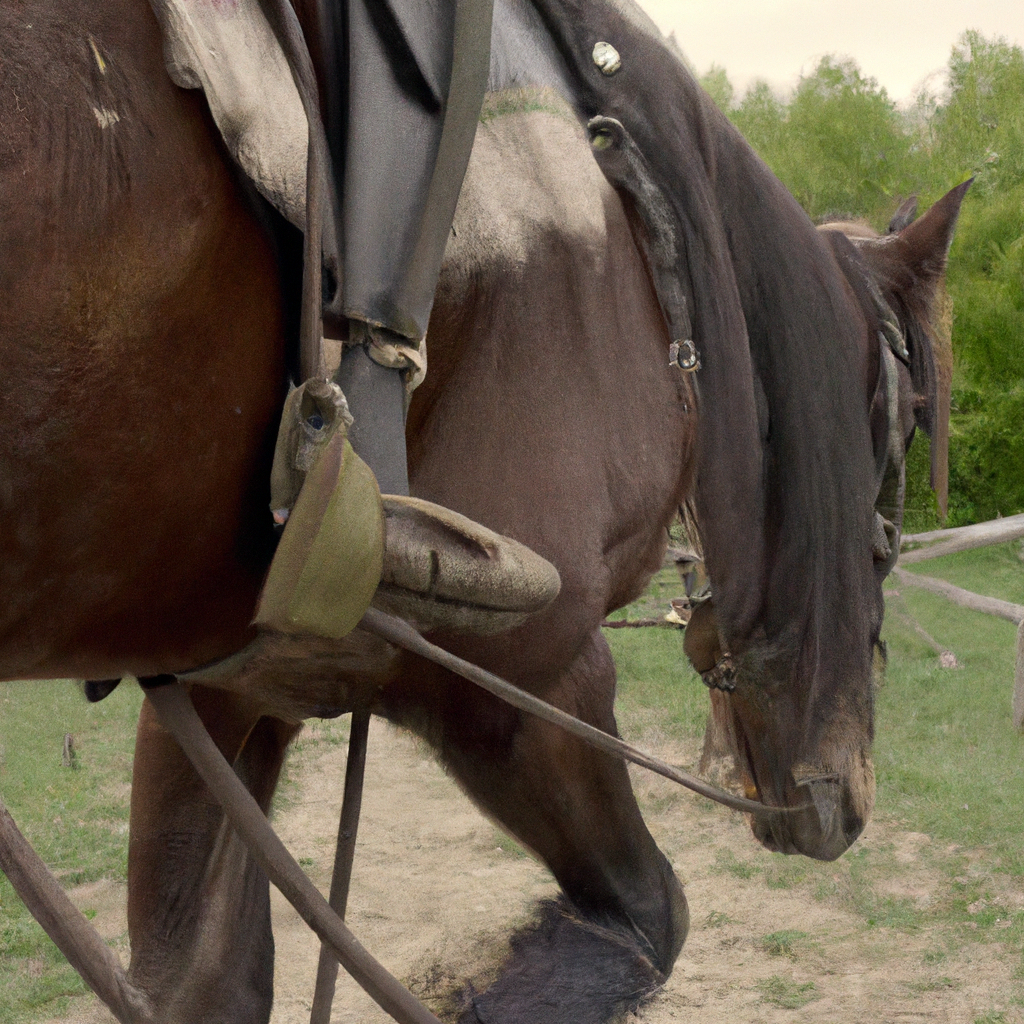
898	42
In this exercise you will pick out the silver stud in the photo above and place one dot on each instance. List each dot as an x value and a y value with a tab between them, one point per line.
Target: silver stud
607	58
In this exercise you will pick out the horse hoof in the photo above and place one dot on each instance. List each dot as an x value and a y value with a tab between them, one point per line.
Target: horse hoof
445	571
566	970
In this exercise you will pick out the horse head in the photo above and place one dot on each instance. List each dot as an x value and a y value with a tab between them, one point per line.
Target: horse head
800	720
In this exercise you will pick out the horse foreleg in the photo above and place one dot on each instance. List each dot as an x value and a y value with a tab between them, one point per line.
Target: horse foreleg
198	906
623	919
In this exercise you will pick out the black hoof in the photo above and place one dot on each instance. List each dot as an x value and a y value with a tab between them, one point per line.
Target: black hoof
566	970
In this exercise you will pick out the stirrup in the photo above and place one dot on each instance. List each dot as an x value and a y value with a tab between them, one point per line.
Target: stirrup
331	552
344	546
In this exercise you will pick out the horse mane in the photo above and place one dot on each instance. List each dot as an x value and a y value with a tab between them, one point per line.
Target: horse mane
784	462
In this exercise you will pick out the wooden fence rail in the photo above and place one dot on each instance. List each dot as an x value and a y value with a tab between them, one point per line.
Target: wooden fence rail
916	547
965	598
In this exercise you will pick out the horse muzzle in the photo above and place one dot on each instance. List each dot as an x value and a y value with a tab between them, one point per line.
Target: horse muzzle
826	822
828	798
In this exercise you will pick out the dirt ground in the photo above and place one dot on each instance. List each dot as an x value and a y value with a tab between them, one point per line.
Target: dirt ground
437	888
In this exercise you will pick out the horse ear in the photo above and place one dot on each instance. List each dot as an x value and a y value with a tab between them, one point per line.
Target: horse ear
925	246
903	217
926	241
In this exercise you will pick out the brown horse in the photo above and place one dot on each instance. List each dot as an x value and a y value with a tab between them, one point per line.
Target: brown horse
148	308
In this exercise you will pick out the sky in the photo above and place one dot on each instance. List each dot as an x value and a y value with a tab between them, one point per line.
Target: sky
901	43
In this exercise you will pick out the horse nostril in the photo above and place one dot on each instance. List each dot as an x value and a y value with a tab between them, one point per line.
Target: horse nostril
853	824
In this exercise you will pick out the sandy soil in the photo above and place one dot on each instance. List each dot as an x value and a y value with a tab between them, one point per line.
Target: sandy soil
437	889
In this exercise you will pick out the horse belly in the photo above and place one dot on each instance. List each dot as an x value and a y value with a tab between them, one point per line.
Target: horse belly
142	354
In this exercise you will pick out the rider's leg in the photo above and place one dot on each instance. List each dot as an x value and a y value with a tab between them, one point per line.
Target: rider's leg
376	398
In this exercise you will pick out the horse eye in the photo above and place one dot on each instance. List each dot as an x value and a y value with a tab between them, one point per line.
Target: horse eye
316	421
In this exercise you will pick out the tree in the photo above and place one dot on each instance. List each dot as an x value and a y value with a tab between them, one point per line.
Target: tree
842	147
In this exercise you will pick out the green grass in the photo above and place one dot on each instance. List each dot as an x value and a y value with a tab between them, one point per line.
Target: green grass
77	819
785	992
782	943
947	758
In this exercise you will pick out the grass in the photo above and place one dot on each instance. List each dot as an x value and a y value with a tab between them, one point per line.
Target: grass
77	819
947	758
782	943
785	992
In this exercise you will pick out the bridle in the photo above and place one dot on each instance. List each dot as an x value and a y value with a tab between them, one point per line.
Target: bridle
890	457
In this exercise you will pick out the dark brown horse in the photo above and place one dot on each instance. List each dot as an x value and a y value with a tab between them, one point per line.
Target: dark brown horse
147	318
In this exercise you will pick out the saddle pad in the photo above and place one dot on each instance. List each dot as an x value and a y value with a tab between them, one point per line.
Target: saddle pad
228	49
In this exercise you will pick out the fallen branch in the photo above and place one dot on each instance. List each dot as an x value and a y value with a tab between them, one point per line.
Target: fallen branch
46	900
976	602
947	659
960	538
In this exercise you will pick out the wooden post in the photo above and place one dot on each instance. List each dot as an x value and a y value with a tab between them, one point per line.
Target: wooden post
1018	686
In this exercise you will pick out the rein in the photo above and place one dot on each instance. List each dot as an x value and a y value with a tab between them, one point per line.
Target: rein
398	632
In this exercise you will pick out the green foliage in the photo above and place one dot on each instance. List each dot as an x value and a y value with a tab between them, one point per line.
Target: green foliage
981	128
717	85
840	143
842	147
986	478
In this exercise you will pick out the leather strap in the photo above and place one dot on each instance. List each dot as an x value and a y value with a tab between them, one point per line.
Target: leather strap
321	223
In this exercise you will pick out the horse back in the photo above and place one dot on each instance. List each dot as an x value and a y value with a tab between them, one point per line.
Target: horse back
141	341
